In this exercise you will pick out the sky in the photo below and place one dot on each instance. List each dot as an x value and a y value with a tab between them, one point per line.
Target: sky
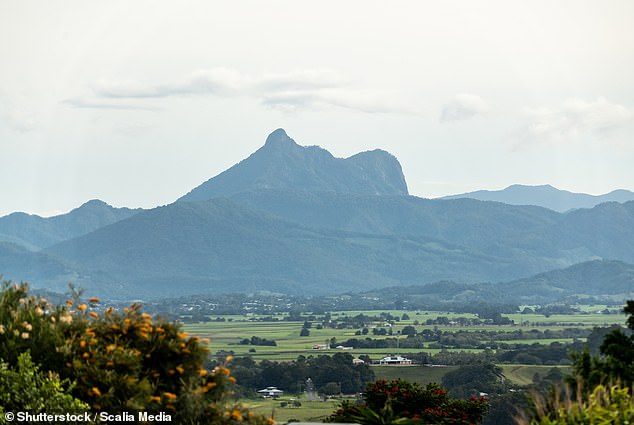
137	102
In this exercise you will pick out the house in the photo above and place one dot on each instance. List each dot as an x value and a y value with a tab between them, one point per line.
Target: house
357	362
395	360
272	392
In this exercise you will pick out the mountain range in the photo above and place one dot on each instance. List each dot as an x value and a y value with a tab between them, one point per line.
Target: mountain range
34	232
296	219
546	196
603	281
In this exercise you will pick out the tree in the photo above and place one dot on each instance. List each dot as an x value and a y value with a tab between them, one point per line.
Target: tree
304	332
616	362
397	401
470	380
330	388
409	330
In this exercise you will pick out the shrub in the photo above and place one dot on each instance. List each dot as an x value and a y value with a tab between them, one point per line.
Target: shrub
26	387
119	361
397	400
605	405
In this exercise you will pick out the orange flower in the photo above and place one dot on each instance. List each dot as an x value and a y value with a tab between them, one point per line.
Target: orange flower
82	343
93	314
69	302
180	369
96	391
82	307
202	372
169	396
94	300
236	414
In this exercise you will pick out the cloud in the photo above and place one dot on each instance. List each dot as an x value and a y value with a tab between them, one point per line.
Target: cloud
303	79
463	107
216	81
367	101
575	118
291	91
90	102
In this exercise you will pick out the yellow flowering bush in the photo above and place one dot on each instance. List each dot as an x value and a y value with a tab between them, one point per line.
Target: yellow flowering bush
120	361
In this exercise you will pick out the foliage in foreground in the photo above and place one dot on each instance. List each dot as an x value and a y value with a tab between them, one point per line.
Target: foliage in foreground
593	401
400	402
616	363
118	361
26	387
605	405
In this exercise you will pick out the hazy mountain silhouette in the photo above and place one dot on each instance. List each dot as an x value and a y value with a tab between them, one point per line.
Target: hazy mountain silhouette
35	232
283	164
546	196
601	280
297	220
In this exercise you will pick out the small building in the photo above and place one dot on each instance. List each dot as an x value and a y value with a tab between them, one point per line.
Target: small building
341	347
357	361
272	392
395	360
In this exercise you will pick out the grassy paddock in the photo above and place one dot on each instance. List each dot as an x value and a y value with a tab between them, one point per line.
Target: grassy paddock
420	374
227	335
523	374
309	411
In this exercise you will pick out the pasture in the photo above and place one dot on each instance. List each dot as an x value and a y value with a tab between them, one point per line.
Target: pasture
226	335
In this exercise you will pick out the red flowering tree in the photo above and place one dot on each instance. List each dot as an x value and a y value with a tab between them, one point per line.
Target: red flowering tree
402	402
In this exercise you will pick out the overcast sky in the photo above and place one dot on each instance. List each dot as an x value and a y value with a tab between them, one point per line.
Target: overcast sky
137	102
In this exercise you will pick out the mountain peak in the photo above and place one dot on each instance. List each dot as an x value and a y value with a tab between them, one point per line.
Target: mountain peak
278	137
283	164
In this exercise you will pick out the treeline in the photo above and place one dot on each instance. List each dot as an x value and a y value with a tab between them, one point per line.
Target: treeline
326	372
479	339
256	340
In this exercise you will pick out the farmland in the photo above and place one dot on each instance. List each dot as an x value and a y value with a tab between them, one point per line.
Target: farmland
531	334
226	332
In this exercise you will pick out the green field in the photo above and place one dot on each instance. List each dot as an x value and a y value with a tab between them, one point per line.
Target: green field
419	374
523	374
226	335
309	411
